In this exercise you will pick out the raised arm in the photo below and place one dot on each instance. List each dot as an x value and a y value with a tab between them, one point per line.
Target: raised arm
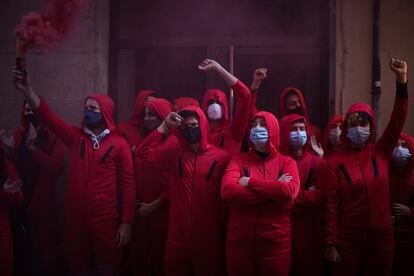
259	76
283	189
241	95
65	132
231	189
157	147
393	130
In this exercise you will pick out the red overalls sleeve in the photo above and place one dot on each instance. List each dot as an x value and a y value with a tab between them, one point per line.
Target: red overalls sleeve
276	190
332	204
233	192
393	130
65	132
126	183
242	95
313	198
52	161
150	149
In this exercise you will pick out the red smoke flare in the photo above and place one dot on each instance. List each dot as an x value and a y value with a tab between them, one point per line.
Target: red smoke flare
45	31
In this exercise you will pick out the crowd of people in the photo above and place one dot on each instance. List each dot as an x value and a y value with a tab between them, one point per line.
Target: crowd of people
172	191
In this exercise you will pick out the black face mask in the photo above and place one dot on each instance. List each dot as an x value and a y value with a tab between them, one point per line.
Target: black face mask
93	119
297	110
152	124
33	119
191	134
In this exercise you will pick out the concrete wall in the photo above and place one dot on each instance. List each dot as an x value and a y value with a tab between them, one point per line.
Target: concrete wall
354	53
64	77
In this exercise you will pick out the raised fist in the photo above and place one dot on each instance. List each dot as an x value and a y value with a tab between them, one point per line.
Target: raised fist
209	65
260	74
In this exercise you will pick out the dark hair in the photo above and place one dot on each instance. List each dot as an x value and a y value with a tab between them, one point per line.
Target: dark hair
301	120
188	113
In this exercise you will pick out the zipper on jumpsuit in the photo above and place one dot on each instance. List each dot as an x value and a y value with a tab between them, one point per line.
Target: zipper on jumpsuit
259	209
191	203
366	194
86	184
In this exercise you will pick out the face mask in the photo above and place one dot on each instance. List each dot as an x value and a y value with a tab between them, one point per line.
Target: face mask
33	119
334	136
358	135
259	136
151	124
93	119
400	156
214	111
297	110
191	134
298	138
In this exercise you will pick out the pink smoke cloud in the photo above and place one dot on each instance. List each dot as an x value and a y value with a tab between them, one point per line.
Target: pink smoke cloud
46	31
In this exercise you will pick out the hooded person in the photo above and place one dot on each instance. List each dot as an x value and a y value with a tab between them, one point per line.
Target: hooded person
292	101
182	102
331	138
225	133
150	229
260	187
194	167
100	196
10	195
359	234
306	215
401	179
38	156
133	130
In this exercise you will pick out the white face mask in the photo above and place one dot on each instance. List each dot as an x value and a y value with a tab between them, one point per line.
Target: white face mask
214	111
359	135
335	136
400	156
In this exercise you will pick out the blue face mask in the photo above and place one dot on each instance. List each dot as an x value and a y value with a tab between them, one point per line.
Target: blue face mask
92	119
259	136
358	135
298	138
400	156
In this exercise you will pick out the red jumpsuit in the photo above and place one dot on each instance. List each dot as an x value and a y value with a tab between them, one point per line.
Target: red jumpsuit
325	136
195	244
182	102
7	171
149	234
229	135
133	129
306	215
358	218
100	192
313	130
42	168
402	191
258	231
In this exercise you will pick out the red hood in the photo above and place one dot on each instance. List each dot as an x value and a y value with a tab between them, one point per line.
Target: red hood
221	98
137	115
161	107
285	126
205	129
325	136
359	107
299	93
106	105
409	167
182	102
272	128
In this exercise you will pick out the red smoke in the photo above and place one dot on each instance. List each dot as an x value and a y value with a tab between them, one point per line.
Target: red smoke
45	31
